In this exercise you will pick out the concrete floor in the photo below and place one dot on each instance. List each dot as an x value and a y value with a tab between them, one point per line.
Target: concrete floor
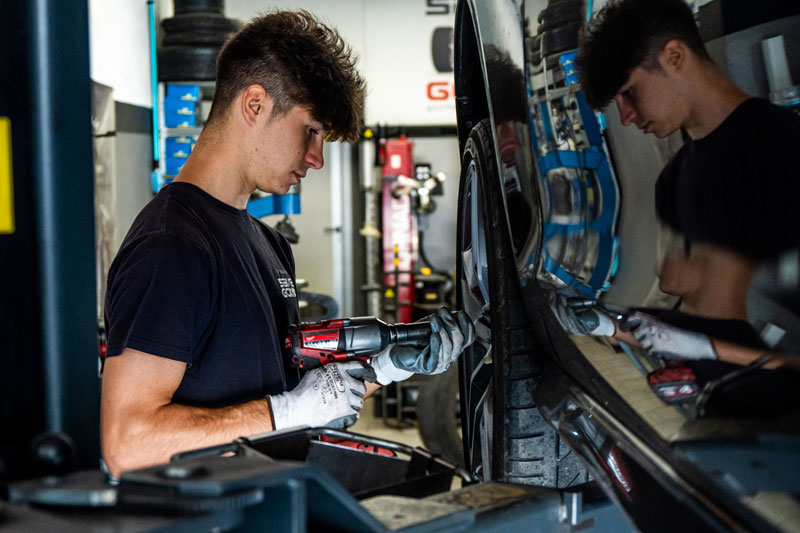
369	424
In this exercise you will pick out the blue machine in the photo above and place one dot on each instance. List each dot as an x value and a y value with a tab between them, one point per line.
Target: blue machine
276	204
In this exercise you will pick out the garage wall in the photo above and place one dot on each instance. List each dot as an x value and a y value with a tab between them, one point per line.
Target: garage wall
120	59
398	33
394	40
119	48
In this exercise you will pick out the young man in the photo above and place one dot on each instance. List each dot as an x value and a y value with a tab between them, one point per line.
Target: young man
201	293
730	192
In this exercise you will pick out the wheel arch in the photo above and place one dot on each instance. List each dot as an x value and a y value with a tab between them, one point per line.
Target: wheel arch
472	103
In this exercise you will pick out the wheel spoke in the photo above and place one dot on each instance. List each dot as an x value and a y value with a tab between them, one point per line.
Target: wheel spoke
478	234
474	287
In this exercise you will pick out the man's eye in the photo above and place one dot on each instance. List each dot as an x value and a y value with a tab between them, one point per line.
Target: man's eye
313	131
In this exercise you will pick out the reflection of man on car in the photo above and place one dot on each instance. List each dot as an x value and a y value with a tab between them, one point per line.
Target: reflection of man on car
779	279
727	191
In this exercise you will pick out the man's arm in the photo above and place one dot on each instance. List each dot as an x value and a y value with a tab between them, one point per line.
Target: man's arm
744	355
671	342
140	426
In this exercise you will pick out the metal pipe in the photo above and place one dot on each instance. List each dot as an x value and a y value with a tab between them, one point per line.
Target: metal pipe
44	172
154	82
777	65
370	229
64	181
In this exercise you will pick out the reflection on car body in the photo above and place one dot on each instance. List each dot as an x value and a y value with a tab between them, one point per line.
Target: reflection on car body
561	172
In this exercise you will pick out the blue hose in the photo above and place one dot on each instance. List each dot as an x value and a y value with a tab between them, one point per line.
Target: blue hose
154	79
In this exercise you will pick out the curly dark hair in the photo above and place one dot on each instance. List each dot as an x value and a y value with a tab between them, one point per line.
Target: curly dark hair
626	34
299	61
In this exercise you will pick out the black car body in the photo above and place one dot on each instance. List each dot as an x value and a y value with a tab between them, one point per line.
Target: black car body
543	213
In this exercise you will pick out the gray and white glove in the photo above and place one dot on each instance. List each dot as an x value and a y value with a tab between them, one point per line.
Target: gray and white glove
580	321
331	396
665	340
450	334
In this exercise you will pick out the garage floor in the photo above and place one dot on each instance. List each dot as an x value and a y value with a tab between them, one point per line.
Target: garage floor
369	424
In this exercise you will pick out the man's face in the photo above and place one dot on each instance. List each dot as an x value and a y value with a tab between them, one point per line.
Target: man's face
651	99
287	146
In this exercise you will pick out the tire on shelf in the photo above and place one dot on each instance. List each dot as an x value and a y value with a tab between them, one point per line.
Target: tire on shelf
196	38
187	63
206	22
560	39
193	6
561	13
437	406
535	49
525	448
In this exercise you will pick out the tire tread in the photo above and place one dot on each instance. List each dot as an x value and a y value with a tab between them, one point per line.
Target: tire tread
531	451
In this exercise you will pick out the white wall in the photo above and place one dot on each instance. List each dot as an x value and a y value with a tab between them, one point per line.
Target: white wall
119	48
393	40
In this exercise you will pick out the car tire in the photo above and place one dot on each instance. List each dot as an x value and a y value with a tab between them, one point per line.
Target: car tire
315	306
196	38
560	14
437	406
525	448
203	22
535	50
560	39
194	6
187	63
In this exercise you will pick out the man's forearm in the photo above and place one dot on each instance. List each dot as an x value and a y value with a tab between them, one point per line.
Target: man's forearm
744	355
148	438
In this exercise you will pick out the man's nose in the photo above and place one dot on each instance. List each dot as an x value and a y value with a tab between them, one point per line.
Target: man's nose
627	114
314	158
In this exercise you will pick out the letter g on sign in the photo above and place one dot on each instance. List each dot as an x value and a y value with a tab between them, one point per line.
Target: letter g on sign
439	90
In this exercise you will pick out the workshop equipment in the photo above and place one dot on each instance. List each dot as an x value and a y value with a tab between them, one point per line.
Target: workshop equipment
299	480
399	229
674	383
262	205
318	343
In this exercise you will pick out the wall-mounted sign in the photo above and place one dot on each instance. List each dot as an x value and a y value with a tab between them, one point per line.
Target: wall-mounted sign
408	62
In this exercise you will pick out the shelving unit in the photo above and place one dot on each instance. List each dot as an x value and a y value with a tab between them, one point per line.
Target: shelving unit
160	175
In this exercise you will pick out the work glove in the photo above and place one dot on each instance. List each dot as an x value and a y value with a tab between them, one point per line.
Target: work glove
330	396
580	321
664	340
450	334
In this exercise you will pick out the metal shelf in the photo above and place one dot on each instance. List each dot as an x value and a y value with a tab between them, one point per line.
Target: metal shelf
182	132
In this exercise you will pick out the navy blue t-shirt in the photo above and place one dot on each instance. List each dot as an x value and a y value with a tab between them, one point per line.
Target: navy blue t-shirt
199	281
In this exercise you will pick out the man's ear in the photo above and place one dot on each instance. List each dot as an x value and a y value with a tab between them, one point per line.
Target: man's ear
255	104
674	55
